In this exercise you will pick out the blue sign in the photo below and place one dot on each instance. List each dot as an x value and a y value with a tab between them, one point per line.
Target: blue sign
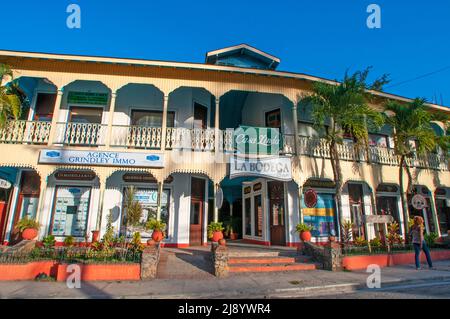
99	158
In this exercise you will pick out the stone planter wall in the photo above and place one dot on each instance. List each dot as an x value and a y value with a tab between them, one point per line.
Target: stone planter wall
220	260
329	256
150	261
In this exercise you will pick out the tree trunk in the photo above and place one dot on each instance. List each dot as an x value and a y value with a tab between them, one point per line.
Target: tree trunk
337	173
403	197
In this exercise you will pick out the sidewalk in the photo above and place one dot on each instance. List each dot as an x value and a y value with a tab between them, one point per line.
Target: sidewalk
298	284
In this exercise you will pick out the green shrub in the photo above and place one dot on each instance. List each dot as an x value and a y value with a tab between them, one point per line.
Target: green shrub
431	239
69	241
214	227
376	243
303	227
26	223
49	241
154	224
360	242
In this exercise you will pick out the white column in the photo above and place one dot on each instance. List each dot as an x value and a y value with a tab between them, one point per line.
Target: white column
216	210
41	209
98	225
217	128
160	193
434	214
164	123
300	198
112	108
55	118
296	137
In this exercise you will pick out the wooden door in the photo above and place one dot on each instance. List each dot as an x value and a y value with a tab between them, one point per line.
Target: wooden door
197	210
277	213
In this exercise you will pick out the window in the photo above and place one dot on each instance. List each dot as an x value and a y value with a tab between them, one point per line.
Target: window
86	115
273	119
258	217
200	116
44	106
248	219
151	118
148	198
307	129
71	211
322	217
378	140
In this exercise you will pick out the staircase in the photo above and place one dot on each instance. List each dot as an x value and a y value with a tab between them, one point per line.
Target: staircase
268	261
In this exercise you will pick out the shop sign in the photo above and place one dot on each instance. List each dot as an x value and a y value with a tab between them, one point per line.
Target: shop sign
75	176
97	158
419	202
277	168
257	140
4	184
88	98
378	219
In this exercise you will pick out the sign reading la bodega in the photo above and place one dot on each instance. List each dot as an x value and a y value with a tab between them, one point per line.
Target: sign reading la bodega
277	168
99	158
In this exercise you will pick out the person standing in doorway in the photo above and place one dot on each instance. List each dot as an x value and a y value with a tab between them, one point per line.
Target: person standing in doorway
419	242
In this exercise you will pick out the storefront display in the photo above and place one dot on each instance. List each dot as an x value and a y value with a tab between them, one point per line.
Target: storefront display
71	211
322	217
148	198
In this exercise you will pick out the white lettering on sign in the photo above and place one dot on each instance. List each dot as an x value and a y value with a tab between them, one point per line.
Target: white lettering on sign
101	158
277	168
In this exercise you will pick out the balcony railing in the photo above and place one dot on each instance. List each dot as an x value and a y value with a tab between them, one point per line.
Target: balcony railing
80	134
32	132
315	147
199	140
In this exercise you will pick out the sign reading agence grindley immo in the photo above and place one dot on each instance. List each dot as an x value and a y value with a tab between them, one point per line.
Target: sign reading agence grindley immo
98	158
277	168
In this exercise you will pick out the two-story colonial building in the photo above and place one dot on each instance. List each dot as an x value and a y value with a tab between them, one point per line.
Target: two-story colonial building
199	142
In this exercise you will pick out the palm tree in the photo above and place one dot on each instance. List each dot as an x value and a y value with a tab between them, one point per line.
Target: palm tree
413	135
10	100
345	107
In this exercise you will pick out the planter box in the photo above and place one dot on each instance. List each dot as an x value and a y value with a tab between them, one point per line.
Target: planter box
384	260
17	272
91	272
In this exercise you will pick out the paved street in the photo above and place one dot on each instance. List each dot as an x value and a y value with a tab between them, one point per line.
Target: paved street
304	284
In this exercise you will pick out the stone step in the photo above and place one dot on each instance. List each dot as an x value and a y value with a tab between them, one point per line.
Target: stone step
261	260
253	253
271	268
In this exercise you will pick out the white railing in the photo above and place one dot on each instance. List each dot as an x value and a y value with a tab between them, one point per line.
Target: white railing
193	139
33	132
81	134
378	155
142	137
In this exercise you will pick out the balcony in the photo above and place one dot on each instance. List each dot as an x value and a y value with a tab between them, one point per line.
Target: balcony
198	140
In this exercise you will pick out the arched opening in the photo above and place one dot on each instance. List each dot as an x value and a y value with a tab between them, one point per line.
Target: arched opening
420	204
442	198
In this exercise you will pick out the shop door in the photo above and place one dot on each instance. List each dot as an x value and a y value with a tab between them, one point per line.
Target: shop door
276	213
443	212
197	209
356	209
3	218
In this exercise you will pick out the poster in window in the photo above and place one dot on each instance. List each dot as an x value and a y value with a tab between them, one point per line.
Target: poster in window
322	217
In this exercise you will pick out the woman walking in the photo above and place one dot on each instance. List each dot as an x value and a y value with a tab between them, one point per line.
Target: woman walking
419	242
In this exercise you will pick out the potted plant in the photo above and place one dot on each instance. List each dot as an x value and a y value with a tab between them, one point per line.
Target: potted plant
28	228
305	232
158	228
215	232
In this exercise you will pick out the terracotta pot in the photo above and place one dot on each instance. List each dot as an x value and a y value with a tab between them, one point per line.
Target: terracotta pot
234	236
95	235
217	235
157	236
305	236
151	243
222	242
29	234
332	239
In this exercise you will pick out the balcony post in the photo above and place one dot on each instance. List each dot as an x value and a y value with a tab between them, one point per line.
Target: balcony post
112	109
217	127
55	117
160	192
216	210
102	180
164	123
296	137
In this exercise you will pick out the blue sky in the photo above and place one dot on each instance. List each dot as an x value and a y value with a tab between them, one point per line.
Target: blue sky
322	37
